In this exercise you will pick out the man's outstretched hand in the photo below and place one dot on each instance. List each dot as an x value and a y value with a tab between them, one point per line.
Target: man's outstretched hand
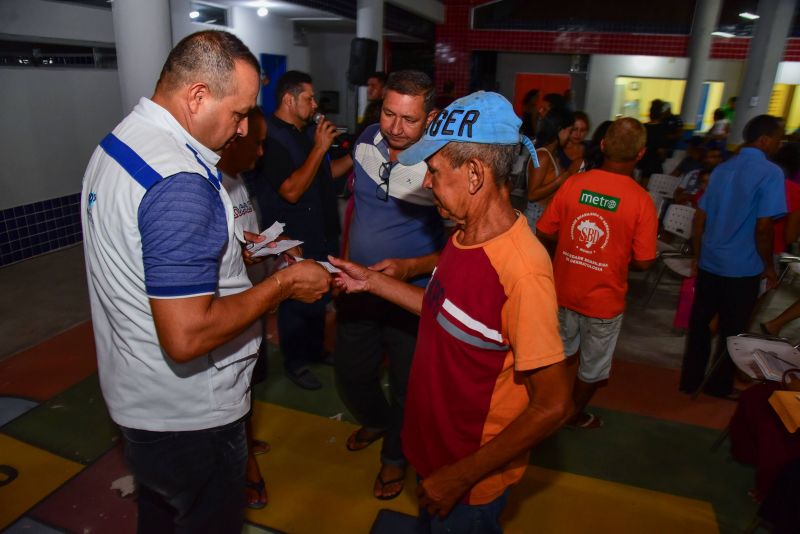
353	278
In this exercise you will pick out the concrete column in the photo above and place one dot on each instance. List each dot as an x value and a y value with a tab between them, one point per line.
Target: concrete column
369	24
706	16
142	31
763	57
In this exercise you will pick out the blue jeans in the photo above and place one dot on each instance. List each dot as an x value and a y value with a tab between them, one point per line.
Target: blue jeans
465	519
189	482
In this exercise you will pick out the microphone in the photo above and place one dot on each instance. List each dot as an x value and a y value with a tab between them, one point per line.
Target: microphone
317	118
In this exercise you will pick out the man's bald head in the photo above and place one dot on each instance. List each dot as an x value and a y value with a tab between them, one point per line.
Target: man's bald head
625	138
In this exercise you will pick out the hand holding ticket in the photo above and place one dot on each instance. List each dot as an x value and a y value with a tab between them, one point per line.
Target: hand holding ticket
270	235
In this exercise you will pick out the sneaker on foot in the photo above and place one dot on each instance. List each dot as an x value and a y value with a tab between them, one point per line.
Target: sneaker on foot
304	378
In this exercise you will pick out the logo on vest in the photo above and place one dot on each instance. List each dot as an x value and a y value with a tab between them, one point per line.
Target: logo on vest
590	232
90	202
596	200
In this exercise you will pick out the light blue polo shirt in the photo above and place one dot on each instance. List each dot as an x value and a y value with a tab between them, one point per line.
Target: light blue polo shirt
740	191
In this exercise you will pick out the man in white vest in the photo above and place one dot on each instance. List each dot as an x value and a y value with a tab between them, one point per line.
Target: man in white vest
175	316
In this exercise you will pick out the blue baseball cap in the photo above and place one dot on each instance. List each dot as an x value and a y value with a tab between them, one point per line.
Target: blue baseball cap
481	117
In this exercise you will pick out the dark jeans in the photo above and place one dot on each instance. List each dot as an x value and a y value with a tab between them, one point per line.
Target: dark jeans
369	328
733	299
189	482
301	328
465	519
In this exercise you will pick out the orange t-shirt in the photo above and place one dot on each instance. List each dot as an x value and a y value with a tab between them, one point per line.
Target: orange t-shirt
602	220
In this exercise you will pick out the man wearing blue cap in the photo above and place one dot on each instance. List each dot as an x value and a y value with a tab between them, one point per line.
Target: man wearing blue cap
488	379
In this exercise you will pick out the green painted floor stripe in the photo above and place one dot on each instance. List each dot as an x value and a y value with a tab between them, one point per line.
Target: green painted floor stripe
74	424
658	455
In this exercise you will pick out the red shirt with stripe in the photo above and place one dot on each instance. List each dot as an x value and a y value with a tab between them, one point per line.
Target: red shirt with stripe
489	310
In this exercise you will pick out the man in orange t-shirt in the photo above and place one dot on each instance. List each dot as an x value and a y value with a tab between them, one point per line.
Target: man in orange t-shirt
489	379
601	222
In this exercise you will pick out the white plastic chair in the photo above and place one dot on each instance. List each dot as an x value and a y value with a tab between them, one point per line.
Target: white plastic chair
678	222
791	265
662	188
663	184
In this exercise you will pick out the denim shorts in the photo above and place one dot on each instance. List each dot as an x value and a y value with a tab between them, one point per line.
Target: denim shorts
595	338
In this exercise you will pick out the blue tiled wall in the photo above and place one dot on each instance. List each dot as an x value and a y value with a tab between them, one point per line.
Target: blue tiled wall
32	229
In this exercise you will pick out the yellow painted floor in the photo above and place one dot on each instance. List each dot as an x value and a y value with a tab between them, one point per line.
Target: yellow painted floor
39	473
311	475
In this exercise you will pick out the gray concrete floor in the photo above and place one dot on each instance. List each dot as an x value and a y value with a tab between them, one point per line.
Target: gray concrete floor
46	295
41	297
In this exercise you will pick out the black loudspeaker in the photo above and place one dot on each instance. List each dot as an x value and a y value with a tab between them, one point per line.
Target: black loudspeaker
363	55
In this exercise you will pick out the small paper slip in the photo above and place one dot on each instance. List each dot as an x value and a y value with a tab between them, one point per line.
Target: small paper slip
327	265
280	248
770	365
270	235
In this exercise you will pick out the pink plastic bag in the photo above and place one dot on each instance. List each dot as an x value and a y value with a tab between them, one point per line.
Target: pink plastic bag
685	300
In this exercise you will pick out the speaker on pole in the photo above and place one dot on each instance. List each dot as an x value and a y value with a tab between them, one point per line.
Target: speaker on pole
363	55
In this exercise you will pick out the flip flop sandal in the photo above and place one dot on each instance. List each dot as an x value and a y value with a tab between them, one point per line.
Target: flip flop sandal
358	441
591	421
383	483
259	447
260	488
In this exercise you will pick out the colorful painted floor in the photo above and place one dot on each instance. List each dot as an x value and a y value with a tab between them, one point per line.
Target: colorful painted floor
649	469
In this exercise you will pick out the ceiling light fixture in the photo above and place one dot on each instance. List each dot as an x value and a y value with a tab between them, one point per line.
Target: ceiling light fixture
723	34
749	16
194	14
262	11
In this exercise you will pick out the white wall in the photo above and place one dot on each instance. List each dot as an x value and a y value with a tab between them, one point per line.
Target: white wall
52	119
55	20
603	70
328	67
788	72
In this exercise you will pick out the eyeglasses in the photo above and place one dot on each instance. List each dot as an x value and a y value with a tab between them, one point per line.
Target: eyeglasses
382	191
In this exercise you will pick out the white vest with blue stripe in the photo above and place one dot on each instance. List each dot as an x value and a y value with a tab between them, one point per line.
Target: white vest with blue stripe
142	386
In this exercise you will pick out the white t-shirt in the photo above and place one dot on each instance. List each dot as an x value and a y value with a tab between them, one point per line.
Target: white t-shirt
244	218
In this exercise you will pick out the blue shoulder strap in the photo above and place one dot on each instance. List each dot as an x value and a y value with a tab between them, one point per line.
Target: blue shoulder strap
139	169
130	161
216	181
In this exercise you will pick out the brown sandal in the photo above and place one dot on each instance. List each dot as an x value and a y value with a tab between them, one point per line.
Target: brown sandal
362	438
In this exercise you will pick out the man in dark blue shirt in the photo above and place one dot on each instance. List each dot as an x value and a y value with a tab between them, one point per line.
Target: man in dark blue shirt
295	187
